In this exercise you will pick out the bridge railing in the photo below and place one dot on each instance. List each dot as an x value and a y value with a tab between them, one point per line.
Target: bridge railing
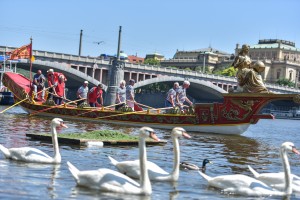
62	56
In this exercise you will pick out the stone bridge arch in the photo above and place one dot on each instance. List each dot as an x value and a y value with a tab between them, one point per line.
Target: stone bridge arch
75	77
199	89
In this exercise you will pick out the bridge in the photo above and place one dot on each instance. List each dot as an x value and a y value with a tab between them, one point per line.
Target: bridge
96	70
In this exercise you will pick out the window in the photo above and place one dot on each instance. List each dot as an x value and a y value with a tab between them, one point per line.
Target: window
290	74
278	74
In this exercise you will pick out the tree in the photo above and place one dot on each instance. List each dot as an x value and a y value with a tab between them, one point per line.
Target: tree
198	69
284	81
231	71
151	61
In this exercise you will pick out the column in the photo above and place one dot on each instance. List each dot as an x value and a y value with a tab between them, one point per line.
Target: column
116	74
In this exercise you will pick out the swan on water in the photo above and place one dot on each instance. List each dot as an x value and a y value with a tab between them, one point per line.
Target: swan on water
132	169
191	166
245	185
107	180
29	154
277	180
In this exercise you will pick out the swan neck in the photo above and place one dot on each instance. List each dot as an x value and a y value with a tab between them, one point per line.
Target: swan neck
144	178
175	172
57	156
287	171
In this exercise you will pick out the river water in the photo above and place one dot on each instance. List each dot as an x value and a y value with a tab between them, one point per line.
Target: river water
258	147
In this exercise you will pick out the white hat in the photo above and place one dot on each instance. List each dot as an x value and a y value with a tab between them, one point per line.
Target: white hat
86	82
50	70
186	82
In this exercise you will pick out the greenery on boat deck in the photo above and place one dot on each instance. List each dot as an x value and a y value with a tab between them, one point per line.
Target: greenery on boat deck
99	135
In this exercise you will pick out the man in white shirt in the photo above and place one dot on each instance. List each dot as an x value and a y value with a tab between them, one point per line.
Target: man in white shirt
181	95
82	93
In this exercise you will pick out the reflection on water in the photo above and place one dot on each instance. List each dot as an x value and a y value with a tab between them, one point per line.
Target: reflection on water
258	147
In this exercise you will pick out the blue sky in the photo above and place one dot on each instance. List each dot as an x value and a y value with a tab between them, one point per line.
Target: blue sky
160	26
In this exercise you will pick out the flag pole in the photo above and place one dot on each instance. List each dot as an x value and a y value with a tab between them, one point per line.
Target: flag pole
30	56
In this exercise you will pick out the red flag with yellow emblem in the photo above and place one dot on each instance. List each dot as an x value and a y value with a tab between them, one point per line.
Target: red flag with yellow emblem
21	53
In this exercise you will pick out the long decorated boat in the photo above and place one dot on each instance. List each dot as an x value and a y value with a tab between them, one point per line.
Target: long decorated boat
233	116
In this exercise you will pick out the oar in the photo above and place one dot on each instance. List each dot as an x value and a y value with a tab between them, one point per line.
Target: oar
100	108
114	105
122	114
13	105
62	98
21	101
62	105
144	105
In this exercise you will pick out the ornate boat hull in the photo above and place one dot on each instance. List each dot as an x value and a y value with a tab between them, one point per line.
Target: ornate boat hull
233	116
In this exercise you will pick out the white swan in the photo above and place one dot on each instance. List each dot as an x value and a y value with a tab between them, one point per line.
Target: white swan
277	180
191	166
29	154
131	168
245	185
107	180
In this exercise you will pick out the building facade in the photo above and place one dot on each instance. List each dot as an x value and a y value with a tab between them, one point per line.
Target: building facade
199	60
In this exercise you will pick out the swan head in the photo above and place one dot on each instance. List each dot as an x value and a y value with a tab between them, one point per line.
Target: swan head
146	132
57	122
178	132
289	146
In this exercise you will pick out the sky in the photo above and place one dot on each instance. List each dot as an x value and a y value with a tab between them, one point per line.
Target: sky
156	26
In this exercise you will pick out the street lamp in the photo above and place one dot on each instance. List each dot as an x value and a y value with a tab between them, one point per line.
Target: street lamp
296	78
204	53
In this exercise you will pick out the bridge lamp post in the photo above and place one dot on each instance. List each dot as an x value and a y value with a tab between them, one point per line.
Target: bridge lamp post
204	53
296	78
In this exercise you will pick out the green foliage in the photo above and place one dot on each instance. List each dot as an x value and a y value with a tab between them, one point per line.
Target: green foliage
198	69
187	69
156	87
231	71
99	135
284	81
151	61
24	72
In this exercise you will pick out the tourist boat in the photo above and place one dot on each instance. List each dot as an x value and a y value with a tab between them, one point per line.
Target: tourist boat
233	116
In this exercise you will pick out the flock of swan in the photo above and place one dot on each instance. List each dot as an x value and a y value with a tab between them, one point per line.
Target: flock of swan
122	181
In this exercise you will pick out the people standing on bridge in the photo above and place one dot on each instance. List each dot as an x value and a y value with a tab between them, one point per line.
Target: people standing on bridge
94	94
60	90
39	84
171	96
120	95
130	94
82	93
181	95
